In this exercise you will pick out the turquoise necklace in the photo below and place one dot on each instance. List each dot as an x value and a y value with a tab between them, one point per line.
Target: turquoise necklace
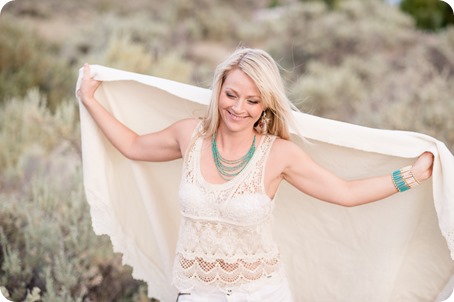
228	169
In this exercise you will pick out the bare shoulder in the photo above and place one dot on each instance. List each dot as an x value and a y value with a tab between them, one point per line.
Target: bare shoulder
283	147
281	153
186	126
285	153
280	158
184	130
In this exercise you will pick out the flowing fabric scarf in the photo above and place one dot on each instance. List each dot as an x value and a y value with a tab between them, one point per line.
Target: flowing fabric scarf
396	249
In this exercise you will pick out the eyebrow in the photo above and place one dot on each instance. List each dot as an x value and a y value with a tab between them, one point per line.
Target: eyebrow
249	96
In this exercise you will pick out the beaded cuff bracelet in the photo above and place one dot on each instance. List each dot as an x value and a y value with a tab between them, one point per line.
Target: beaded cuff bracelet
404	179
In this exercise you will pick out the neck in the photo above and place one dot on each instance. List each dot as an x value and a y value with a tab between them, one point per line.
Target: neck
233	144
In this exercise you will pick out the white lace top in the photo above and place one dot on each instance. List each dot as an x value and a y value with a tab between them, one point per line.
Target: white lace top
225	237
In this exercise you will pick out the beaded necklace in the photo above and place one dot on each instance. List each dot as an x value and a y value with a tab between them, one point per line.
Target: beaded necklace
230	168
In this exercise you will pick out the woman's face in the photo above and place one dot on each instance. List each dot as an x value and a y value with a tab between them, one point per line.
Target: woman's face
240	104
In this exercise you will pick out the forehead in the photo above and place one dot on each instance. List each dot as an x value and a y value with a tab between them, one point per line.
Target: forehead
241	83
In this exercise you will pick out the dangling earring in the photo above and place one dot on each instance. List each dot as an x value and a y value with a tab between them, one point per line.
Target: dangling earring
263	123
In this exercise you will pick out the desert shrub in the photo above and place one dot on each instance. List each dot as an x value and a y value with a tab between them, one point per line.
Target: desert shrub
48	250
27	125
46	9
341	101
46	243
137	44
386	91
124	53
214	20
364	62
152	34
329	3
310	31
27	61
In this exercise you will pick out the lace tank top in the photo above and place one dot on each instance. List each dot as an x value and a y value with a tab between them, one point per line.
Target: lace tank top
225	237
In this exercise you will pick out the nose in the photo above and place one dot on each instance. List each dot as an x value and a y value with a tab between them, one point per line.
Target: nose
238	106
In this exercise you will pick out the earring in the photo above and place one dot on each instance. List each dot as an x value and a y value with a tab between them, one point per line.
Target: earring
263	124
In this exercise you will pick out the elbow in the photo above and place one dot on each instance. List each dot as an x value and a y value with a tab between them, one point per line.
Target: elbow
126	153
342	195
347	199
128	156
343	201
351	200
131	155
131	150
348	204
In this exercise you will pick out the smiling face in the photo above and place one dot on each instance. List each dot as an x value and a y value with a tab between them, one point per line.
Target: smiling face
237	74
240	104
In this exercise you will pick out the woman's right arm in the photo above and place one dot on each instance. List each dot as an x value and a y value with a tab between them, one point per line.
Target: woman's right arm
164	145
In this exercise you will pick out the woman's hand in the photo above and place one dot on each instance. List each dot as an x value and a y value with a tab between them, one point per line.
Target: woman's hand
422	168
88	86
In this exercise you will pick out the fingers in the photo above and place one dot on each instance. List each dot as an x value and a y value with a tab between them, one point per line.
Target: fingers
429	157
87	73
87	78
88	85
423	166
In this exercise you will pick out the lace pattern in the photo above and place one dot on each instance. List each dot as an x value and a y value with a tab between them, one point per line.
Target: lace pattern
449	236
226	231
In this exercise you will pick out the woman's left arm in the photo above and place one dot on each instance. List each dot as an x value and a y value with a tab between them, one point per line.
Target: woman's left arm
307	176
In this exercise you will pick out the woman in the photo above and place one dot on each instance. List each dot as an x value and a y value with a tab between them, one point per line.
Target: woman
234	161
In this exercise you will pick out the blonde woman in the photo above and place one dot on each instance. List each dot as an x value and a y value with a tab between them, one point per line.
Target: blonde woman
234	161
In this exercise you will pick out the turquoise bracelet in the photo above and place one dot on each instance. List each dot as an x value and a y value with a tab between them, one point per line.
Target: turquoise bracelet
403	179
399	182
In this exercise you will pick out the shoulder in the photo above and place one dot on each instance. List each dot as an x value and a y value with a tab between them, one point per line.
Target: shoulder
283	146
185	130
188	122
284	152
186	127
280	158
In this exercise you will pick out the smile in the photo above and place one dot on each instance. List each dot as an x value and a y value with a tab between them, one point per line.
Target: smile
234	116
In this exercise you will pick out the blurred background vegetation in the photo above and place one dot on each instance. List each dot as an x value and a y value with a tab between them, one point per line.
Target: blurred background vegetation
366	62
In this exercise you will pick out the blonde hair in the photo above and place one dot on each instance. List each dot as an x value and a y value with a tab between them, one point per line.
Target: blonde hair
263	70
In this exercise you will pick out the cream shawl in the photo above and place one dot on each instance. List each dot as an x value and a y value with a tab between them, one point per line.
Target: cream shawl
396	249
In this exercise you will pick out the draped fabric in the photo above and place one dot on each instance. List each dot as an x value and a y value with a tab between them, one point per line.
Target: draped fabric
396	249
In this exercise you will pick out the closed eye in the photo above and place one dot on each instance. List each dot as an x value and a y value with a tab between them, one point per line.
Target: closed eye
230	95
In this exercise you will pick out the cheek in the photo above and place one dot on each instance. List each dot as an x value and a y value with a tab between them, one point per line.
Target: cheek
259	110
223	102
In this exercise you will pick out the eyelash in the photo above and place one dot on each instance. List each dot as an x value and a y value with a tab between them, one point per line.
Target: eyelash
229	95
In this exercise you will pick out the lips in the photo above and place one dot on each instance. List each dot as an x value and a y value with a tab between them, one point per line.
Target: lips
234	116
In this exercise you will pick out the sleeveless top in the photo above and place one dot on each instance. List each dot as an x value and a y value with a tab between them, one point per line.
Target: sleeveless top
225	238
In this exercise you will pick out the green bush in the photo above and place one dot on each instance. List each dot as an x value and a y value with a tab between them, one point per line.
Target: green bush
429	14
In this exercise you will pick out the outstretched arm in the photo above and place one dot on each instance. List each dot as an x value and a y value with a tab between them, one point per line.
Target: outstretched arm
307	176
164	145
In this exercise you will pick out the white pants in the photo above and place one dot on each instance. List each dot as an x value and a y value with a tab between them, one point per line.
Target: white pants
273	292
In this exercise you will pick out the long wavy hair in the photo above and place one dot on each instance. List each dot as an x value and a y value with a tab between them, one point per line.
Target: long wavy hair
263	70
